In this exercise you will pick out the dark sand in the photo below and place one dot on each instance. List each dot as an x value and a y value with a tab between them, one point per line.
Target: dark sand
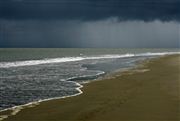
148	93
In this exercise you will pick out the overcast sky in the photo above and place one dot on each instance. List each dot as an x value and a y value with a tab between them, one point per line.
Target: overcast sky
90	23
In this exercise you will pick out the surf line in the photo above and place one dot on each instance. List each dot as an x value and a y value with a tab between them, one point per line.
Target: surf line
17	109
72	59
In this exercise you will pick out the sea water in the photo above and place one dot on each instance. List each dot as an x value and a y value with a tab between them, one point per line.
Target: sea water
29	75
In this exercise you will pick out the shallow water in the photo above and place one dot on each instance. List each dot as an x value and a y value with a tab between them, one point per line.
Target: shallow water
55	72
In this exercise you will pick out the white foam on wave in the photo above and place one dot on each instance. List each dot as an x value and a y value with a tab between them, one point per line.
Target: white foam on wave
157	53
38	62
57	60
18	108
72	59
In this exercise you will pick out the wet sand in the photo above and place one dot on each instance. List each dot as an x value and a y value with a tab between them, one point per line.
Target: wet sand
147	93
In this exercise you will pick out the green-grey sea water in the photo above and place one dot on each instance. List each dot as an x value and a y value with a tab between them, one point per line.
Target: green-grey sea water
15	54
33	74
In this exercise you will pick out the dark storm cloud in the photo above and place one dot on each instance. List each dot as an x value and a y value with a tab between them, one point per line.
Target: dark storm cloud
90	9
101	33
89	23
38	33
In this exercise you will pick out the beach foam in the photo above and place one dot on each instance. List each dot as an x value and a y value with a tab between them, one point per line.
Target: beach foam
17	109
72	59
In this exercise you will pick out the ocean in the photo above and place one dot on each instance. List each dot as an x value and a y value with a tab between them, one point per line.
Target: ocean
36	74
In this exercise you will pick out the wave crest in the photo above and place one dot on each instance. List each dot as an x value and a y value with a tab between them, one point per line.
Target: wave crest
72	59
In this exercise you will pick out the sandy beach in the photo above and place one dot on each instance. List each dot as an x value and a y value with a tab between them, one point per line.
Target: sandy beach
147	93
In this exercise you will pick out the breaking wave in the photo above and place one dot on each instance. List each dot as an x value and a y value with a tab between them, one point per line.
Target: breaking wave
72	59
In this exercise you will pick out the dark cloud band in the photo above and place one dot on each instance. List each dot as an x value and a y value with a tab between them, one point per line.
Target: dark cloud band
102	33
90	9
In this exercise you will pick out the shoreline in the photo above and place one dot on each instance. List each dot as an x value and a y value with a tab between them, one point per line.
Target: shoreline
16	109
106	76
80	85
